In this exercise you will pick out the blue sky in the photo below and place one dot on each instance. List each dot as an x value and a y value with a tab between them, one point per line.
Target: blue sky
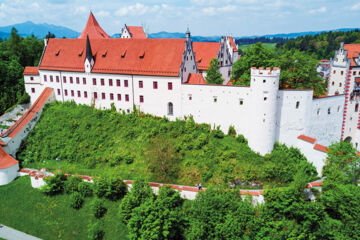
203	17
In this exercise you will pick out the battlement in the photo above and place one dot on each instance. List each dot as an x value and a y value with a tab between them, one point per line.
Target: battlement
265	72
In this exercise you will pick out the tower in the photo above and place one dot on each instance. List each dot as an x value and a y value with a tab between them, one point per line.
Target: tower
264	88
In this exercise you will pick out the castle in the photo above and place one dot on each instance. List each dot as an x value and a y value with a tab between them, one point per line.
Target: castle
165	77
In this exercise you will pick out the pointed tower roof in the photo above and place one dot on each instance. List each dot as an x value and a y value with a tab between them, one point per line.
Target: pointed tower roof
93	29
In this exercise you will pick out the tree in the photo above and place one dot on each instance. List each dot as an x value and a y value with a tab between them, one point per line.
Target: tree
98	208
112	188
212	75
49	35
54	185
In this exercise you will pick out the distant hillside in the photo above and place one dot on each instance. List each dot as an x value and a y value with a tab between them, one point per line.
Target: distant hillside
39	30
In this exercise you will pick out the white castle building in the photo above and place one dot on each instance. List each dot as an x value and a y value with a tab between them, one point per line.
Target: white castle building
165	77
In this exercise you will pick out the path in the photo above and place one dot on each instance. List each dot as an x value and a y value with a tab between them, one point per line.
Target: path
12	234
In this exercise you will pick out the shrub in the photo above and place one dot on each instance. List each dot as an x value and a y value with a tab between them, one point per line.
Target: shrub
232	131
54	185
201	141
241	139
85	189
25	98
96	230
217	133
112	188
98	208
71	185
76	200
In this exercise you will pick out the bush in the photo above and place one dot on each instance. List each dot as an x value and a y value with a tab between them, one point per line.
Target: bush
112	188
96	230
98	208
72	184
232	131
85	189
76	200
241	139
54	185
217	133
25	98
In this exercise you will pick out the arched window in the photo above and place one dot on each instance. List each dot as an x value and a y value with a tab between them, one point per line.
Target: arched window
356	107
170	109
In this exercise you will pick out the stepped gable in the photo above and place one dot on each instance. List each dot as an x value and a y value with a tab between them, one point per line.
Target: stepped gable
136	32
353	51
28	115
6	160
93	29
196	78
33	71
161	57
204	52
232	43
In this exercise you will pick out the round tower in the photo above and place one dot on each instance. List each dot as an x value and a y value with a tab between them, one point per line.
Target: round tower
264	88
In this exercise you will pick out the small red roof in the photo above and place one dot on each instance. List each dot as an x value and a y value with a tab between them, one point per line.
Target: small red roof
320	148
196	78
307	139
317	183
353	52
136	32
6	160
34	71
205	52
93	29
232	43
324	60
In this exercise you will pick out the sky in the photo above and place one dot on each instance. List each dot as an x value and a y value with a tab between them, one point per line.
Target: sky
203	17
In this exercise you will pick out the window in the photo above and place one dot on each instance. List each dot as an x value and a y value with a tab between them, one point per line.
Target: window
45	78
64	79
126	83
141	99
170	109
58	91
318	111
329	110
118	82
169	85
71	80
33	90
297	104
338	108
72	93
51	78
119	97
354	73
332	84
126	97
340	84
65	91
111	96
241	102
103	95
356	107
190	97
77	80
102	82
140	84
78	93
84	81
265	98
215	99
94	81
229	73
342	72
31	78
95	95
57	79
85	94
155	85
334	71
110	82
264	81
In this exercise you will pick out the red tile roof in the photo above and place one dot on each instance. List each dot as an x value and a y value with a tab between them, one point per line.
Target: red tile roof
136	32
93	29
117	55
6	160
204	52
307	139
353	52
232	43
29	114
31	71
317	183
196	78
320	148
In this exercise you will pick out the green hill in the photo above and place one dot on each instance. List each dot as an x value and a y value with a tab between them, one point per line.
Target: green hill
97	142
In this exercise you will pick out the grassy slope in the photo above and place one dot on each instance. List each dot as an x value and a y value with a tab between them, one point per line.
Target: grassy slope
268	45
27	209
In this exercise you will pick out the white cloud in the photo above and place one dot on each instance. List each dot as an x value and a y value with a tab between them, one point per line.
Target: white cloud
102	14
136	10
81	10
356	7
319	10
212	11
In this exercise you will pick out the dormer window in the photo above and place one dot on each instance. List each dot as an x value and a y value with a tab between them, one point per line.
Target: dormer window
57	53
142	54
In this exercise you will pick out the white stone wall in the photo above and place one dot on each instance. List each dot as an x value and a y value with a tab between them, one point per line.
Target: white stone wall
8	174
316	157
33	85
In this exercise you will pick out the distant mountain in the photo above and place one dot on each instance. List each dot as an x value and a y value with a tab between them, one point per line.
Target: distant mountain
39	30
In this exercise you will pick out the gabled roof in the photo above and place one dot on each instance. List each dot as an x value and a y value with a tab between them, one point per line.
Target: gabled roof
6	160
232	43
136	32
196	78
204	52
116	55
33	71
307	139
93	29
353	51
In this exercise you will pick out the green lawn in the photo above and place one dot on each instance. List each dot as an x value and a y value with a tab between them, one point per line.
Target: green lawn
268	45
27	209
